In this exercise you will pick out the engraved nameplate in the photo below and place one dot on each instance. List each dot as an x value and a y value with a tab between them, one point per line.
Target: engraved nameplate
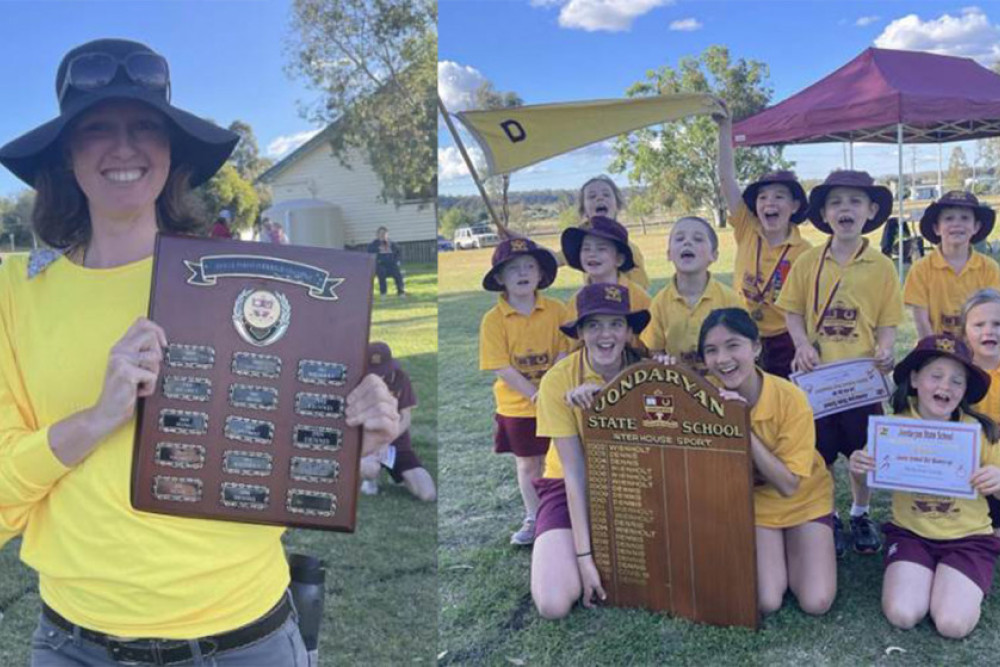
319	405
253	396
180	489
251	364
183	421
247	463
319	438
314	470
245	496
322	372
183	388
249	430
180	455
190	356
311	503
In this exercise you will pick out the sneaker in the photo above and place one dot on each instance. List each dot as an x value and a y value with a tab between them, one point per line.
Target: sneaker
369	487
840	538
525	536
866	539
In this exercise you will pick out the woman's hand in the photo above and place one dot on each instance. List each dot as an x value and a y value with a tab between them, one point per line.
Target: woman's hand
806	358
860	463
986	480
731	395
132	371
582	396
373	407
591	581
664	358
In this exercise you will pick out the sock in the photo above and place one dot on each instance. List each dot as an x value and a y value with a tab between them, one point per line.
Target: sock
858	510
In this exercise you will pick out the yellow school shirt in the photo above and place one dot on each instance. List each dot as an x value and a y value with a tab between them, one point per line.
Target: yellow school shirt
556	418
933	285
942	517
675	325
761	269
868	296
528	343
102	564
783	421
990	405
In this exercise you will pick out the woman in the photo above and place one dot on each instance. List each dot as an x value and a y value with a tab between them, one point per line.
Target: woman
111	170
562	562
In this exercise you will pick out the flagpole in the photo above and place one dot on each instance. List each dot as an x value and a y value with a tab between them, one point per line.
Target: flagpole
501	228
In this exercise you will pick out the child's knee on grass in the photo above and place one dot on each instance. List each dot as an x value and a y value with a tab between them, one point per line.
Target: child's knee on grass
955	623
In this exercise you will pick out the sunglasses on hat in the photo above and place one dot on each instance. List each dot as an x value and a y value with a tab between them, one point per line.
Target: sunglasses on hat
92	71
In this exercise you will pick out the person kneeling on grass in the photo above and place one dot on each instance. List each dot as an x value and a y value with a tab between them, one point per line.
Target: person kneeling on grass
793	492
940	551
562	564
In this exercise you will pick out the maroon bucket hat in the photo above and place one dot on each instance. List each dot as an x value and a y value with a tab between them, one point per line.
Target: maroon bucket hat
605	228
508	249
790	181
958	199
931	347
380	361
605	299
860	180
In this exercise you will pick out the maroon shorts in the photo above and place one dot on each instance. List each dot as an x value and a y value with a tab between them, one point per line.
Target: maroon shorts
406	458
974	556
517	435
825	520
844	432
777	353
553	512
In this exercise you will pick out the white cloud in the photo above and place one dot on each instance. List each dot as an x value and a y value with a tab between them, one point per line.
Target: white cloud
866	21
970	35
451	166
286	144
686	25
596	15
457	85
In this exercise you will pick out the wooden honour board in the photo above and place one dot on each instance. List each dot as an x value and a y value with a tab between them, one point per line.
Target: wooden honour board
670	494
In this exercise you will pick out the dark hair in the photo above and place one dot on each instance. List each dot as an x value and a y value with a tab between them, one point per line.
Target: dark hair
735	319
619	198
901	403
712	236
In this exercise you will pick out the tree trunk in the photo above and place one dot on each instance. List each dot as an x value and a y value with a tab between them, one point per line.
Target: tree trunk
720	217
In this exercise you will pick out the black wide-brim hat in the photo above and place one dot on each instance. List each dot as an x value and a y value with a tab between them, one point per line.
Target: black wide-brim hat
859	180
790	181
606	299
958	199
931	347
605	228
509	249
197	143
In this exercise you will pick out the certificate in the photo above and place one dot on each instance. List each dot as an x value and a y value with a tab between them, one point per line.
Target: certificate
918	456
842	385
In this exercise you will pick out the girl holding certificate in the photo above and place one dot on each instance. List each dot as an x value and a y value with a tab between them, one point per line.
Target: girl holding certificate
940	551
793	491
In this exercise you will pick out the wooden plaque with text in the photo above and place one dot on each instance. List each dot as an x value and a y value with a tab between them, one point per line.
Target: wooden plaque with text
670	488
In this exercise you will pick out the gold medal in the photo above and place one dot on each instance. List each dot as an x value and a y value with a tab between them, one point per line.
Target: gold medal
757	314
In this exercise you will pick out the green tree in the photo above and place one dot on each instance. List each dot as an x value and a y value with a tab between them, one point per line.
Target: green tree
958	167
229	190
452	219
248	161
676	162
375	62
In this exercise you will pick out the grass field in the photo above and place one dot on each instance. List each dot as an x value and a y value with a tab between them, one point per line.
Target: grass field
381	589
486	610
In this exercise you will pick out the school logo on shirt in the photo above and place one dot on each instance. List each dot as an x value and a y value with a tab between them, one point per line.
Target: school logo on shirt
532	365
951	323
935	507
840	323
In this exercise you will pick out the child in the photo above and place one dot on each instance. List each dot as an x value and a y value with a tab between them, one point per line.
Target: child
679	308
519	340
765	219
398	457
842	301
793	499
981	332
601	197
562	563
939	284
602	251
941	550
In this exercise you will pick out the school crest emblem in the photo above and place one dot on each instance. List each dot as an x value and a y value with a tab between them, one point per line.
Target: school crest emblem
519	245
613	293
261	317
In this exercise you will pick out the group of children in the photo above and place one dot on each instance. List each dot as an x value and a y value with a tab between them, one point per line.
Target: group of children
794	308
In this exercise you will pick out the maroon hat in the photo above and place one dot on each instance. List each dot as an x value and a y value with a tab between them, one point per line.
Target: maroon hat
860	180
931	347
605	228
605	299
958	199
790	181
508	249
380	361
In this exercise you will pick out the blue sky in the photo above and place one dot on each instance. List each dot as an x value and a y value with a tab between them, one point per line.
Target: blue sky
561	50
226	59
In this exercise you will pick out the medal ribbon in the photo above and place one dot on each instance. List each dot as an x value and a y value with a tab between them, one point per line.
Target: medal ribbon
762	293
836	286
